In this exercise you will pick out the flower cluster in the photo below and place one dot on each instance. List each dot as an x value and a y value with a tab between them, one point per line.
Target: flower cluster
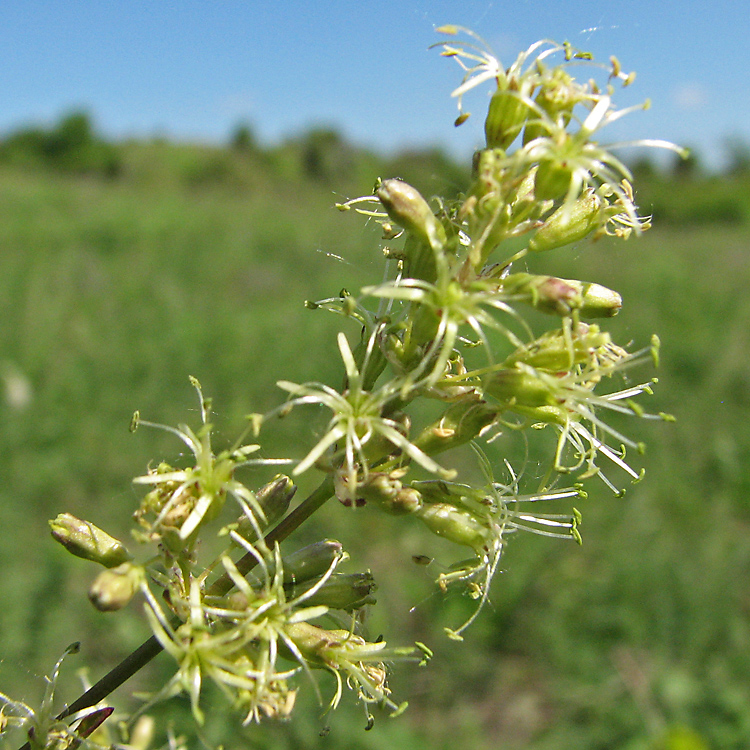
448	327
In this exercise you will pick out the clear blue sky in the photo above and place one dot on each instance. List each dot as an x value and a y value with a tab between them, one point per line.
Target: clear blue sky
194	69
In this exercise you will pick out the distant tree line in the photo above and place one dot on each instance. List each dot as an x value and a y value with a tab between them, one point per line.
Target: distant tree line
69	146
322	156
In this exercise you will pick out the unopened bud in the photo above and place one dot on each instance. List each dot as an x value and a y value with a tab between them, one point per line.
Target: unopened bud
274	499
563	296
456	525
312	561
405	205
569	223
112	589
85	540
347	591
462	421
518	387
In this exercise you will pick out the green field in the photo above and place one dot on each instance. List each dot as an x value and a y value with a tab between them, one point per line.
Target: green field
196	261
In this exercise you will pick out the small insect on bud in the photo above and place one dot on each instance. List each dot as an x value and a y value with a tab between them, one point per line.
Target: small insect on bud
569	223
112	589
406	206
85	540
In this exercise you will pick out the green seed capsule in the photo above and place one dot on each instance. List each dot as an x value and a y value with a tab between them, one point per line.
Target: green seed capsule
518	387
311	562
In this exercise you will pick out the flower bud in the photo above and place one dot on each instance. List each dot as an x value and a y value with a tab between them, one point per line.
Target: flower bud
456	525
562	296
274	499
569	223
462	421
557	97
112	589
85	540
311	561
387	492
347	591
505	118
409	209
518	387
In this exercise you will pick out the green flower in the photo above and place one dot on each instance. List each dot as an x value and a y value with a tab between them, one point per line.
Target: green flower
235	641
356	426
350	658
184	499
434	320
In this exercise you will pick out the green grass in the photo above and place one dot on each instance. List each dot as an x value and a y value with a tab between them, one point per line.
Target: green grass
196	262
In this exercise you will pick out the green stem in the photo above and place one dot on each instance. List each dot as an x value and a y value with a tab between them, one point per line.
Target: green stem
150	648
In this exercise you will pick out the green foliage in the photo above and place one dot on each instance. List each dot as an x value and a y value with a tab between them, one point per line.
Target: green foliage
71	146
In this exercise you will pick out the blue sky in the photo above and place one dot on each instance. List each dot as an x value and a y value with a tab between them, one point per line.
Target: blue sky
192	70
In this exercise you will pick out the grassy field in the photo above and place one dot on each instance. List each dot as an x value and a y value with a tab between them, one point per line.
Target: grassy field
196	262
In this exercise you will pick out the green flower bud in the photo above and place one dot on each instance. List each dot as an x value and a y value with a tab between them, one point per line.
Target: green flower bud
409	209
505	118
456	525
347	591
462	421
598	300
562	296
569	223
557	96
518	387
112	589
274	499
85	540
312	561
387	492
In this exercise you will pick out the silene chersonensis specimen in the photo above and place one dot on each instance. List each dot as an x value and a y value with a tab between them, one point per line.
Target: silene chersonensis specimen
455	322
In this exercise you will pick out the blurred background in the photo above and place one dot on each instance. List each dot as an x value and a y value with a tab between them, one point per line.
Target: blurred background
167	181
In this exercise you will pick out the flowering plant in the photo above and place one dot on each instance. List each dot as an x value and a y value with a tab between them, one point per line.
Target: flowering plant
449	325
